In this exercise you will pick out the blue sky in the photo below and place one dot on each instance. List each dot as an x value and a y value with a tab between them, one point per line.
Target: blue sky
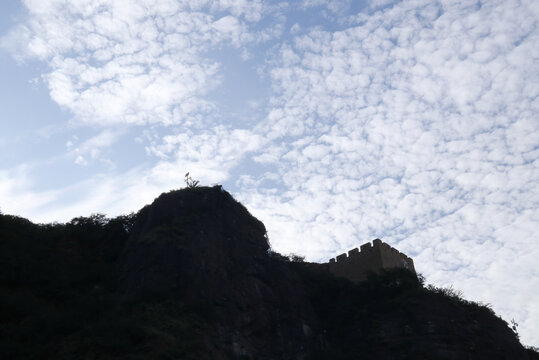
334	122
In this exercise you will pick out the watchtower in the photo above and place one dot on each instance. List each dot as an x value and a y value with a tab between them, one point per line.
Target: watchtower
369	258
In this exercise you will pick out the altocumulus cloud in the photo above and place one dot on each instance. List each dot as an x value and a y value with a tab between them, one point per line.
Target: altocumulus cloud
414	121
133	62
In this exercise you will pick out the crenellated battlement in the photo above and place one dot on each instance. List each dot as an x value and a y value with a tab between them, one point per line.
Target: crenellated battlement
357	263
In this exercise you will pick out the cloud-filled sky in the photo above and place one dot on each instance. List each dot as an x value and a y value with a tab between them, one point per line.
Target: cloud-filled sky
334	122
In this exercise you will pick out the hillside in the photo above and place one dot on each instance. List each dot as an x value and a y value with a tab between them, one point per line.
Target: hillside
192	276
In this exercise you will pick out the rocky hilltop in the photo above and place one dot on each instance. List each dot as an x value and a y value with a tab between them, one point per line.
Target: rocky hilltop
192	276
203	248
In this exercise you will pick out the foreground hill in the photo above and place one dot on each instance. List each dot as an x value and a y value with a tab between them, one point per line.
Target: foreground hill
192	276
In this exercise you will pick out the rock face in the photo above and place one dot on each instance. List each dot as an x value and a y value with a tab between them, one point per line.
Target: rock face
200	246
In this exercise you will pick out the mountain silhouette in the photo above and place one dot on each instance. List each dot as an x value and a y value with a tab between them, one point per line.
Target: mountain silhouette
192	276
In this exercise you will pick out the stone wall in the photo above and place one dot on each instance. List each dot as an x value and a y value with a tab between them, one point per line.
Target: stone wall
369	257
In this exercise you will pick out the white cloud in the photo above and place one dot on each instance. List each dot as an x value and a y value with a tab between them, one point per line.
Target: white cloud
16	199
93	146
80	160
334	6
209	155
133	62
416	125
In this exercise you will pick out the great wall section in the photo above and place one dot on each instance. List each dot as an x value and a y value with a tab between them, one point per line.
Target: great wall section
357	263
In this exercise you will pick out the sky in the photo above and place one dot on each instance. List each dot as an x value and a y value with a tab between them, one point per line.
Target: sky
334	122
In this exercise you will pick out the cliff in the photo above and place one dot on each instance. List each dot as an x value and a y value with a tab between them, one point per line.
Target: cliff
192	276
201	247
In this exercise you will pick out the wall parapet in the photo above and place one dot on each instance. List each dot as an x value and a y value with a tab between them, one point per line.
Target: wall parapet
358	262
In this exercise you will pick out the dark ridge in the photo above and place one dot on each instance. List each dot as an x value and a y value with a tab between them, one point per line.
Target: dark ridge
192	276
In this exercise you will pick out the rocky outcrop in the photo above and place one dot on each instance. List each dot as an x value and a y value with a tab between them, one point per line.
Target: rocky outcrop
200	246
